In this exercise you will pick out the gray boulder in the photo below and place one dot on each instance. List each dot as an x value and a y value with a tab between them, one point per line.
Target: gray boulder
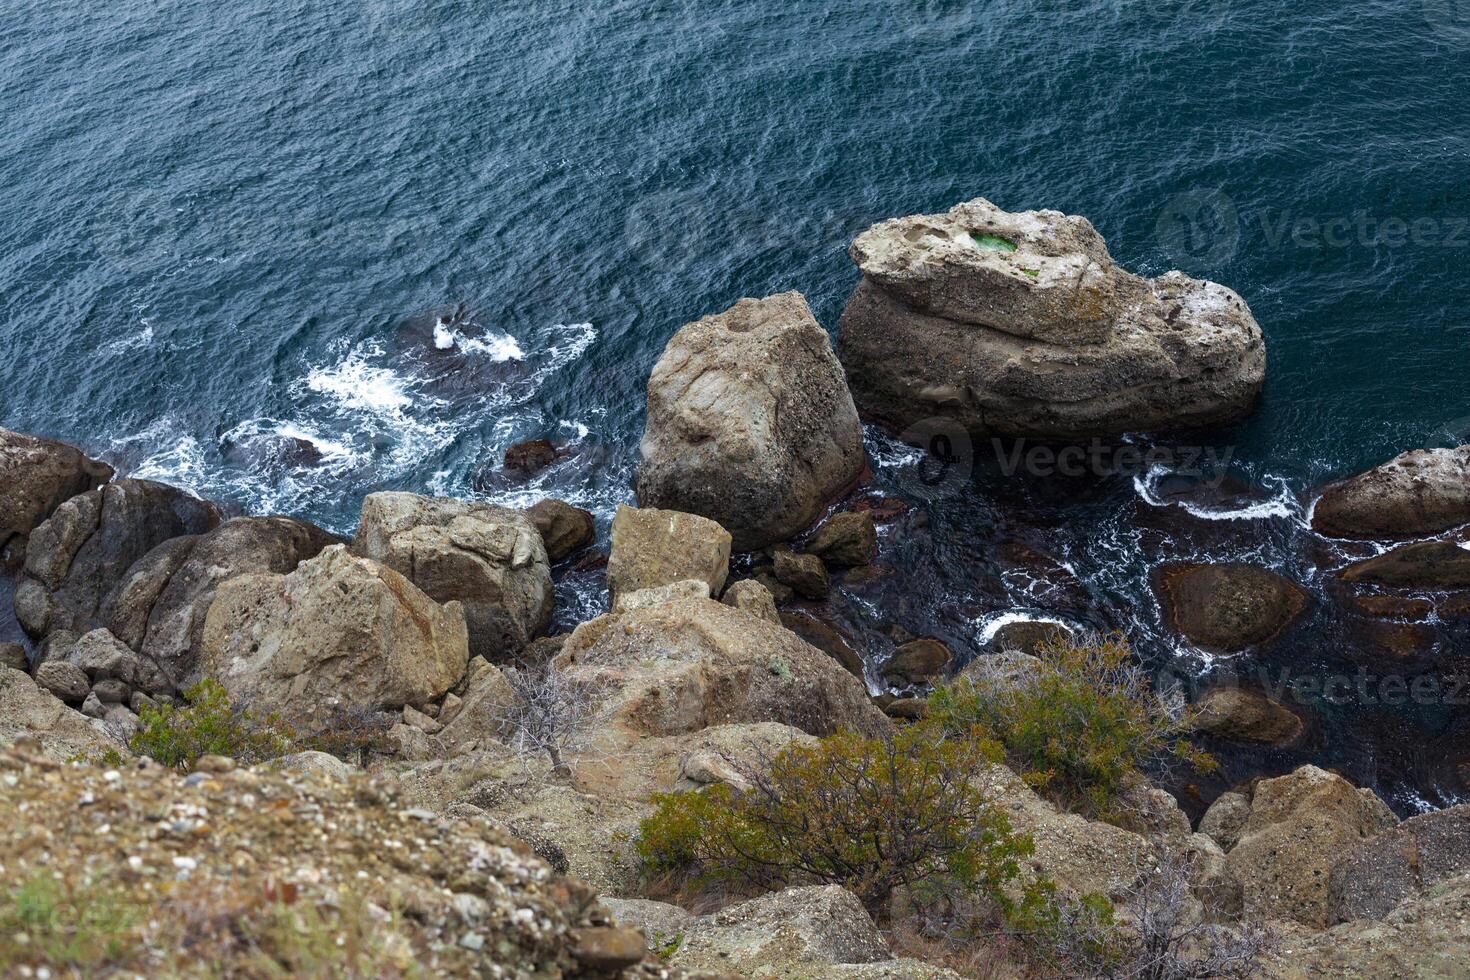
36	477
1022	324
750	422
65	681
76	558
490	559
1401	863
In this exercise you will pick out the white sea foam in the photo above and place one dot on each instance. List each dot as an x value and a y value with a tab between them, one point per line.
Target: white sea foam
122	345
1283	504
498	347
992	623
358	385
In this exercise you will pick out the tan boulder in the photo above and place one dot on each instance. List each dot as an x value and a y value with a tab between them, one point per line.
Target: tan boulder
696	663
563	528
750	596
28	710
651	548
339	630
490	559
1425	938
1300	825
750	422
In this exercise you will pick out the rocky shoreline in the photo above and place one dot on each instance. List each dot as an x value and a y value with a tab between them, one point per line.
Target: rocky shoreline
416	645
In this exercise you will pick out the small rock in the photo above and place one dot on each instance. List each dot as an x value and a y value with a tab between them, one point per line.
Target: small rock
13	657
752	597
1030	636
412	716
779	591
67	681
608	948
908	709
140	701
531	456
450	709
1225	819
846	540
214	763
918	662
92	706
111	691
563	528
1248	716
805	574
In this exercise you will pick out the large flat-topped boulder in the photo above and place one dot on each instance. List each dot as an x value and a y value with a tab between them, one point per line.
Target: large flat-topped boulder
750	422
1022	324
1037	274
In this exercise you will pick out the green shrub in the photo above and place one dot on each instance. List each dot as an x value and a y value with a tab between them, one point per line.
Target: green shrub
207	724
1078	728
872	815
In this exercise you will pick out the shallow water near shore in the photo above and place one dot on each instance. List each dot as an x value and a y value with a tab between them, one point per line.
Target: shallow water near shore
286	254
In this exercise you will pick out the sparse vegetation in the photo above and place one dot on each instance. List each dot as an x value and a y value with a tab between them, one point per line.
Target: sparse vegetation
1077	728
210	723
75	927
872	815
550	711
1162	938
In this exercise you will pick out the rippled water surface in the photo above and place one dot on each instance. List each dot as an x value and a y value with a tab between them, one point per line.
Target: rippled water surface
288	253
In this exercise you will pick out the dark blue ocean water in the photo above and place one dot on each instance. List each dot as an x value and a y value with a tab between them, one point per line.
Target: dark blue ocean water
227	230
